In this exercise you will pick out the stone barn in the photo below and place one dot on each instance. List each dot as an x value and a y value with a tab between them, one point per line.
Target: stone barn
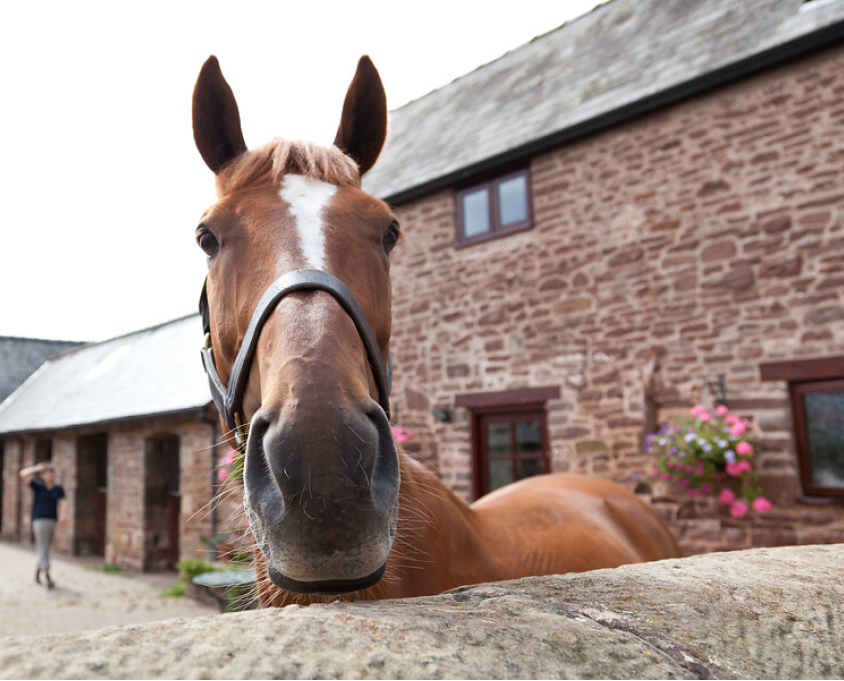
636	212
129	425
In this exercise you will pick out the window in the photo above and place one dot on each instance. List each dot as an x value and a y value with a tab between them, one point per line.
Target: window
509	435
500	206
819	434
512	447
816	387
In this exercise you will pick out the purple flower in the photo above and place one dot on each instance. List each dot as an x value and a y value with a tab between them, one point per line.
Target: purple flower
730	456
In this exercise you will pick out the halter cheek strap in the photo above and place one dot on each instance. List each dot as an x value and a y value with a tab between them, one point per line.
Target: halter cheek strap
228	398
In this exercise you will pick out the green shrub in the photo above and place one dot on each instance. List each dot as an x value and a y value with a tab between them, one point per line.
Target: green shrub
192	568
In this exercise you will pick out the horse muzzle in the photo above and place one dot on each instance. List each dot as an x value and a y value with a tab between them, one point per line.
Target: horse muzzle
321	494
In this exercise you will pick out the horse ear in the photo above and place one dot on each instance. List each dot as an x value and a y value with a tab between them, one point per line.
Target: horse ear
216	120
363	127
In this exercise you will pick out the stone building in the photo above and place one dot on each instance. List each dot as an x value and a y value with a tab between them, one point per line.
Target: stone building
602	223
129	425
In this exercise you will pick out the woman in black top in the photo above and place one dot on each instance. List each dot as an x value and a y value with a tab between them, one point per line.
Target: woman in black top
48	508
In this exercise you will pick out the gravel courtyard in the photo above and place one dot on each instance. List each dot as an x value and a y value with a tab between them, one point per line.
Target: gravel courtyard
85	596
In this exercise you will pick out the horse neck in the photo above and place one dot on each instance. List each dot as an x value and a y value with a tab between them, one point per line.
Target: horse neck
434	527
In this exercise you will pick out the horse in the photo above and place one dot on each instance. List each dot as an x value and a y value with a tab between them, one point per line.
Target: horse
296	308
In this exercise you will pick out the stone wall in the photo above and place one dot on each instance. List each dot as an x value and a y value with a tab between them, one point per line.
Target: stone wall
711	233
766	613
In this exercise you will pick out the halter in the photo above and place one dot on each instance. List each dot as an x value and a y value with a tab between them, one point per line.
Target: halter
228	399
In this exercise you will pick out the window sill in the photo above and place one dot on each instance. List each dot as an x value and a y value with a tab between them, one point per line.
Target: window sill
492	236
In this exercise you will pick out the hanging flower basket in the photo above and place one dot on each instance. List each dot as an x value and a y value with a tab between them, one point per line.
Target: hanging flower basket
708	454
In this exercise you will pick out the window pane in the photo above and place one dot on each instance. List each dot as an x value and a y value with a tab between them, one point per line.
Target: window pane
500	473
825	435
528	438
512	200
498	439
476	213
528	467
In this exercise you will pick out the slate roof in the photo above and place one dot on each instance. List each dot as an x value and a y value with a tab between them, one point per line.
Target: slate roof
588	74
151	372
19	357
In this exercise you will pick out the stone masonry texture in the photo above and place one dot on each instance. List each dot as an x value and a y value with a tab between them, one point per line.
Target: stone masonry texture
711	231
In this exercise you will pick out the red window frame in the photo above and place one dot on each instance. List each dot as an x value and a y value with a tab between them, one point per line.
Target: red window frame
804	459
495	228
480	447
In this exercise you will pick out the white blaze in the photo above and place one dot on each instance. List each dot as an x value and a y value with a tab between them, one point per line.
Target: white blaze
307	199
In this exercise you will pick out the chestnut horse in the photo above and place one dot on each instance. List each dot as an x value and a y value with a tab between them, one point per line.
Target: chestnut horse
297	309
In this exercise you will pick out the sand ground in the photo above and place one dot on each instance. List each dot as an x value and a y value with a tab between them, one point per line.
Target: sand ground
85	596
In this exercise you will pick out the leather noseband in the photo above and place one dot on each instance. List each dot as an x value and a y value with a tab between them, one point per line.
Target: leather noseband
228	399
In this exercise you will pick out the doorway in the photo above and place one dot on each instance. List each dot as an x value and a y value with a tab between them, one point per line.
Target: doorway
91	494
162	502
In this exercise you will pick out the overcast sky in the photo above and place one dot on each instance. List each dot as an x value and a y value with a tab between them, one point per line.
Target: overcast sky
101	184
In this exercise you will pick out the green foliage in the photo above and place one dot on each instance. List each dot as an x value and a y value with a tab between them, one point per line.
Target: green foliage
175	590
192	568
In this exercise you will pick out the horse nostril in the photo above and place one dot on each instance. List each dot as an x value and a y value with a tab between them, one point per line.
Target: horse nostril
255	462
385	471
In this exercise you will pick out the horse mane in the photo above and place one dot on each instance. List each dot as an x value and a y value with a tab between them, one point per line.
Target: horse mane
269	163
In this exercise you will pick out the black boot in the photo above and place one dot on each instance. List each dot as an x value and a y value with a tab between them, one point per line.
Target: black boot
38	576
50	582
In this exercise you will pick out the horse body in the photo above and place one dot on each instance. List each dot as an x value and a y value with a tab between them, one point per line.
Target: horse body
547	524
299	373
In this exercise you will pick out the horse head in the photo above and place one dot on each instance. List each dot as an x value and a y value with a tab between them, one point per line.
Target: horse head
297	309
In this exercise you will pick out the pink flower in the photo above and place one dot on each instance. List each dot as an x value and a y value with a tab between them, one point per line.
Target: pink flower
744	448
736	469
697	410
688	469
230	457
693	494
664	476
401	434
761	504
705	416
730	420
222	474
727	496
738	429
706	487
721	410
738	509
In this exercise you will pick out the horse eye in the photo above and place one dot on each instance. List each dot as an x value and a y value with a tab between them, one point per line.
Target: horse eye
391	237
207	241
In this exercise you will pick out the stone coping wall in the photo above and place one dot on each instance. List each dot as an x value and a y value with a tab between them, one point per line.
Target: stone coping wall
762	613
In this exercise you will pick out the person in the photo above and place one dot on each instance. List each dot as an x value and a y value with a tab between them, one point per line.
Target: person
49	507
